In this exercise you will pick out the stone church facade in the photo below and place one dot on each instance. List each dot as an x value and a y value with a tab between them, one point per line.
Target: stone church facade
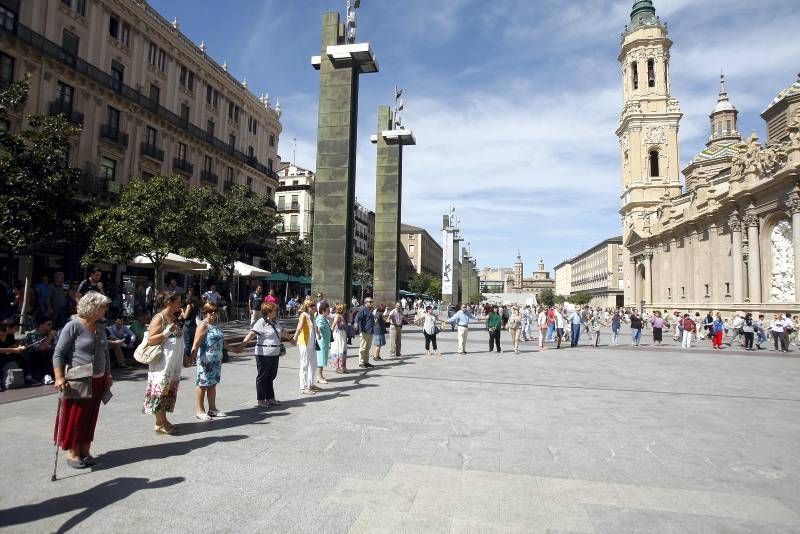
729	240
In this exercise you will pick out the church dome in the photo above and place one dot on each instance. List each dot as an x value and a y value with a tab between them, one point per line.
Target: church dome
724	105
792	90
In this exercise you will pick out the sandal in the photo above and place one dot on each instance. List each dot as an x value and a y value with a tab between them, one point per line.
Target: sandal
274	402
217	413
308	392
321	381
203	416
377	358
167	431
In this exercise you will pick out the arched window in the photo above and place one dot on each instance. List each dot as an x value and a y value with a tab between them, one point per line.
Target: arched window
651	73
654	163
635	74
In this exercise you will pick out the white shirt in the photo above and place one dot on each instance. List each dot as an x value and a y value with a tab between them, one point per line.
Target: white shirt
542	320
268	339
396	318
212	296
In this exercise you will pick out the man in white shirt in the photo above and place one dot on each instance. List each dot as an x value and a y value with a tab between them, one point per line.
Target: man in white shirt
395	330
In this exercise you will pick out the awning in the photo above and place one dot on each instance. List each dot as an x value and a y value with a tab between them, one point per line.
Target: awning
172	261
243	269
278	277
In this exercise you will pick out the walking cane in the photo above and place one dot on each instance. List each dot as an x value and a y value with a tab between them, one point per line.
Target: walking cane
59	421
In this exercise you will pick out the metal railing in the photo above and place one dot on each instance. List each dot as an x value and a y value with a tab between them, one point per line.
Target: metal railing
49	48
182	165
152	151
112	133
62	107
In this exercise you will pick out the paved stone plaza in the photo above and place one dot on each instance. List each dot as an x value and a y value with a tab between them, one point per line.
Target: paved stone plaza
576	440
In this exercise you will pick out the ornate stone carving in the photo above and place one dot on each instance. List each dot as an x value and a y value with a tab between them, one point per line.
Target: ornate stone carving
782	286
793	202
738	161
734	223
625	142
655	135
752	155
673	106
750	219
773	158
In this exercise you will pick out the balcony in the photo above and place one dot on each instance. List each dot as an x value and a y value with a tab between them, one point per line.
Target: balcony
90	184
112	133
61	107
152	151
227	185
209	177
182	165
271	204
46	47
294	206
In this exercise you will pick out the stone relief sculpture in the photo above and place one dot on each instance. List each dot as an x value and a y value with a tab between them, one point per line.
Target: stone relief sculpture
782	286
773	158
752	155
655	135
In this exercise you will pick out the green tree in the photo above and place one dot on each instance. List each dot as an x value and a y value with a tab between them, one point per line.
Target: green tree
435	288
152	218
547	297
477	298
36	184
361	273
420	283
581	298
293	256
227	223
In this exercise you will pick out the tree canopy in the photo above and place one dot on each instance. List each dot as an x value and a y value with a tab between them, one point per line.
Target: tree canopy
37	204
293	256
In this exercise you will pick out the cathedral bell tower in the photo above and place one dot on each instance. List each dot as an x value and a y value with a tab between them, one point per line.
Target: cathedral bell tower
647	131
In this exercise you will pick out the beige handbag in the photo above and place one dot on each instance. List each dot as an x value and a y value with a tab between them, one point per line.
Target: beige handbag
148	354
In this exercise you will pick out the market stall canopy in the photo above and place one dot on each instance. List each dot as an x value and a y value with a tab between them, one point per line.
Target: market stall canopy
243	269
173	261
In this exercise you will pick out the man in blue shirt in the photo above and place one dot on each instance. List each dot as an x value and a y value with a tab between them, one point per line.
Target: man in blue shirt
366	325
461	319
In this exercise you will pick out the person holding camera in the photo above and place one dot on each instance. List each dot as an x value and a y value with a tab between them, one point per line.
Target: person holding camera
164	375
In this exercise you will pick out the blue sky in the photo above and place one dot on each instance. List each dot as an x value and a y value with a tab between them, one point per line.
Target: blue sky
513	102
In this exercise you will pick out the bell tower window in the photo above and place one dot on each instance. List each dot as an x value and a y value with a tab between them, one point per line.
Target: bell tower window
654	171
635	74
651	73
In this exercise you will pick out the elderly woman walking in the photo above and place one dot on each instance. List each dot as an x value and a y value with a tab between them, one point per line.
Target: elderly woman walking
164	375
269	337
82	342
514	323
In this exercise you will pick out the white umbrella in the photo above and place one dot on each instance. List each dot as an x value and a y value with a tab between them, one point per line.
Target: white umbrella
243	269
173	261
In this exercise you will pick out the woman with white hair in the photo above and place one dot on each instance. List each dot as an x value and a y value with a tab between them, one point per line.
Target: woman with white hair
82	342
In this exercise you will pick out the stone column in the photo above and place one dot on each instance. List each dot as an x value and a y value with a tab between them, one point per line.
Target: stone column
793	203
736	257
635	284
648	278
388	201
340	64
754	265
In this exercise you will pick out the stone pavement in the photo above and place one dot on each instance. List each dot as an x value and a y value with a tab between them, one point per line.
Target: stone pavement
577	440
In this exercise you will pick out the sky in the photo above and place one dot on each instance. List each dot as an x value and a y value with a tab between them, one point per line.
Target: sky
513	103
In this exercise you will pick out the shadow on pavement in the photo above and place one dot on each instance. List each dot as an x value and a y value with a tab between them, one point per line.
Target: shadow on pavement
89	501
249	416
161	451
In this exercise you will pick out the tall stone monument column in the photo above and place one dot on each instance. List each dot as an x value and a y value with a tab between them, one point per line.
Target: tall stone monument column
391	138
451	271
340	63
466	275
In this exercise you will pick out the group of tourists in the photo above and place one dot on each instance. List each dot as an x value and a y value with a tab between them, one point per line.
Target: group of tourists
185	332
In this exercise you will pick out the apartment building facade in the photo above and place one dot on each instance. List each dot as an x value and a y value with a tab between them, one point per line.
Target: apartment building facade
420	253
150	101
295	200
364	233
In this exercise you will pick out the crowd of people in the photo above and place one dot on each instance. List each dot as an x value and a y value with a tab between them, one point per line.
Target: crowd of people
185	329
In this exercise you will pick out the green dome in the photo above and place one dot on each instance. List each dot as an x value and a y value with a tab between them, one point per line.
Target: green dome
643	13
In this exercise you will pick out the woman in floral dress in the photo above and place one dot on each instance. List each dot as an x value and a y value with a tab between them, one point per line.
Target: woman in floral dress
209	342
324	335
338	357
164	375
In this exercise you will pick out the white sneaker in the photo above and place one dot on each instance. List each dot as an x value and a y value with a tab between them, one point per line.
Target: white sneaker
48	380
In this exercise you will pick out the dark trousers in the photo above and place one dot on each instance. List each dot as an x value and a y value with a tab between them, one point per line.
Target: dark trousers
430	339
559	335
267	371
748	340
576	335
779	337
494	338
